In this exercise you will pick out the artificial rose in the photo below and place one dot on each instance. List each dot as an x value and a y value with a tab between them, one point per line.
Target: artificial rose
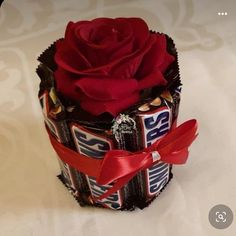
105	63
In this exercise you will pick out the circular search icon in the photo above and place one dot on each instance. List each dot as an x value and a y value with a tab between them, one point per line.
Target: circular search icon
220	216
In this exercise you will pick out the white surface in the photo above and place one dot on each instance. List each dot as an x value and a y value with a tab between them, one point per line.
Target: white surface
34	202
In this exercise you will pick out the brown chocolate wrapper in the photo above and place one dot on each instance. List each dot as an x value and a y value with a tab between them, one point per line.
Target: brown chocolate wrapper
132	130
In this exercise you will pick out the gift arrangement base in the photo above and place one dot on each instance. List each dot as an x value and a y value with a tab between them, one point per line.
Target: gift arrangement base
84	199
135	129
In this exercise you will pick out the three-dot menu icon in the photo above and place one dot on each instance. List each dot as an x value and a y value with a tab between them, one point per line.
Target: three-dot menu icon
222	13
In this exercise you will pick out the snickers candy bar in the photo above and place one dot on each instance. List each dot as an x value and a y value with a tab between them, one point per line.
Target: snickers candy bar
55	120
152	124
95	142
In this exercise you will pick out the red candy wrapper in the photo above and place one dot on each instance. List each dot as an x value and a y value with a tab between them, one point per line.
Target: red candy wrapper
120	157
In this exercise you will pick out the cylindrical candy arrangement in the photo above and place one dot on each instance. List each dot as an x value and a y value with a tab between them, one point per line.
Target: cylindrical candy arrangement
111	84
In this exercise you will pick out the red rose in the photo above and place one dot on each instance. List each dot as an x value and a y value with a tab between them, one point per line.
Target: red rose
105	63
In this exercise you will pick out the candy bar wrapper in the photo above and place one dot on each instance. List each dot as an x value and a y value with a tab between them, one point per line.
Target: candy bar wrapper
134	129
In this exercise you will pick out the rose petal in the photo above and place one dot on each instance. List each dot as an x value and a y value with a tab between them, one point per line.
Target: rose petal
128	66
140	31
95	35
114	107
68	59
106	89
153	79
71	26
103	31
73	42
157	59
154	57
168	59
89	32
124	49
105	40
65	84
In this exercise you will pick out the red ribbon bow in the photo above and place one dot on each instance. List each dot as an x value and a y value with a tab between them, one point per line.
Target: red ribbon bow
120	166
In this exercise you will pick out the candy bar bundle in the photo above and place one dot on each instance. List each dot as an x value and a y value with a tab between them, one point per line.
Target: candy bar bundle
110	93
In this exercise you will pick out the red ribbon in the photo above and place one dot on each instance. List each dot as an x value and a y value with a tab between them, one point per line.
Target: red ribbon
120	166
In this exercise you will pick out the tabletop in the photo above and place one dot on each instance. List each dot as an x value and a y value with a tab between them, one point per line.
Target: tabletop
34	202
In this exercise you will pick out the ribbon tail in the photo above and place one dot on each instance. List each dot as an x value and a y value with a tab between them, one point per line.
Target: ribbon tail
118	185
176	158
180	138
